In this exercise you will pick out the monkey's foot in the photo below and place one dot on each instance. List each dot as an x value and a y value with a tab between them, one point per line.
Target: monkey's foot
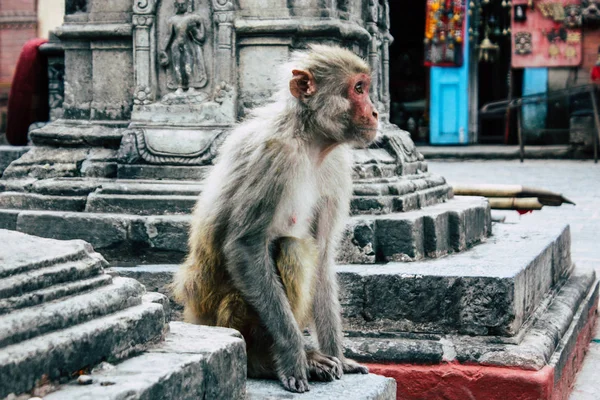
352	367
322	367
294	379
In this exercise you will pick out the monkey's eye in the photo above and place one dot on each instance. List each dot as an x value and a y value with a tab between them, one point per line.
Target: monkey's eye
359	87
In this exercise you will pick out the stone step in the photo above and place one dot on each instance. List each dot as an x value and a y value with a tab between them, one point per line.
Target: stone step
52	293
548	338
397	195
22	252
479	291
194	362
350	387
19	284
9	154
62	353
35	321
140	204
34	201
491	289
432	232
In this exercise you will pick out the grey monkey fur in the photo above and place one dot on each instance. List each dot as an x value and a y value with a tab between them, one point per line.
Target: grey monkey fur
283	173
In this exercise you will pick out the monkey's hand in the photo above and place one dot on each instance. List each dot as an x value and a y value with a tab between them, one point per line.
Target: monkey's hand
322	367
352	367
292	373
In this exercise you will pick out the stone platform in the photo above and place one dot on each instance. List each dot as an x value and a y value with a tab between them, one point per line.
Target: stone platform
119	225
513	308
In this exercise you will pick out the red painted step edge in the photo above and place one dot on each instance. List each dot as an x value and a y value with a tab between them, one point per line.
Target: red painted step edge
454	381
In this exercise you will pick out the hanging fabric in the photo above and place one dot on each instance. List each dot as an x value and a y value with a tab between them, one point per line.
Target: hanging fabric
444	32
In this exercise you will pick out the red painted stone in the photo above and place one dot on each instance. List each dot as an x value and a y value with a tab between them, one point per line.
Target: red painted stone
454	381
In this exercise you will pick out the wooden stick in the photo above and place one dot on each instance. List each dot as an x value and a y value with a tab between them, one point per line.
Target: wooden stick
545	197
515	203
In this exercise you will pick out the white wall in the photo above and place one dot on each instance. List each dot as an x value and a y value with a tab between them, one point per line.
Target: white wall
50	15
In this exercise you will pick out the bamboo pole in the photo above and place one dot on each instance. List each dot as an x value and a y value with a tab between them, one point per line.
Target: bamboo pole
515	203
545	197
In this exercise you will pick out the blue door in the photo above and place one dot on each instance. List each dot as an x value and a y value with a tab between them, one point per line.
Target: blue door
449	101
535	81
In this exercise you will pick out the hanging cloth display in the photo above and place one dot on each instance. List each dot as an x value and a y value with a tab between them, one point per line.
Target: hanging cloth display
444	32
547	34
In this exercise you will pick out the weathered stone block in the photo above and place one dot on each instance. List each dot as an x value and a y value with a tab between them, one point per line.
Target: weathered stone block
162	233
64	352
350	387
23	252
140	204
193	362
547	341
52	293
16	284
9	154
358	242
32	201
8	219
35	321
141	171
399	238
479	291
100	230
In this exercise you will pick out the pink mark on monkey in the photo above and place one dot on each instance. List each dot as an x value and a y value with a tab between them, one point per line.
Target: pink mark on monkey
293	219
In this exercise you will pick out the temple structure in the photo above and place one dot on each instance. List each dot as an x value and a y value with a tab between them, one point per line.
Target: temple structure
151	88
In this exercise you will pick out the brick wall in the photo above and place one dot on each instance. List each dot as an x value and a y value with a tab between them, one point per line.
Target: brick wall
591	42
18	23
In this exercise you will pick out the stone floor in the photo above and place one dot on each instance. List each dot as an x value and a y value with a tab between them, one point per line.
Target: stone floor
578	181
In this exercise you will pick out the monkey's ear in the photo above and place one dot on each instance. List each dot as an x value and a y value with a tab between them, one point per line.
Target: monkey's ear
302	84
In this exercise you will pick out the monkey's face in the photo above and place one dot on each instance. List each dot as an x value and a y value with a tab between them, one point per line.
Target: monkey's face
363	116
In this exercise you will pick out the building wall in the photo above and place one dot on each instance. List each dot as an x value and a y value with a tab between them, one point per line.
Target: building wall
50	16
18	24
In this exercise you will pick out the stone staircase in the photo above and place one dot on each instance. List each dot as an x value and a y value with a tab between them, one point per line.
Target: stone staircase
61	316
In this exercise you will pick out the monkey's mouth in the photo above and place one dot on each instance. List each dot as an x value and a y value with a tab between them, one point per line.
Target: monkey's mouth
367	134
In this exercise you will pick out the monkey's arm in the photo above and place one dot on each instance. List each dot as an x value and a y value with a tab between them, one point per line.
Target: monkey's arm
326	307
253	198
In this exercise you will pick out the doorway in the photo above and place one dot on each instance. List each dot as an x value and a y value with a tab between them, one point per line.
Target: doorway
409	78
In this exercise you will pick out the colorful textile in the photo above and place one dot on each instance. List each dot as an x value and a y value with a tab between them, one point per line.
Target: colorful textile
28	97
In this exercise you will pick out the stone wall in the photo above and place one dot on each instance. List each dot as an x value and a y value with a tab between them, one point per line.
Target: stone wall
18	23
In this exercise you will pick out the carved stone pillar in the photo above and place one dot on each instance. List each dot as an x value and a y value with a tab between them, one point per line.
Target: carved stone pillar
144	57
223	16
372	19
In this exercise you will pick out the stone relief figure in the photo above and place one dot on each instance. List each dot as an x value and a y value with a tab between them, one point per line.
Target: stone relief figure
182	52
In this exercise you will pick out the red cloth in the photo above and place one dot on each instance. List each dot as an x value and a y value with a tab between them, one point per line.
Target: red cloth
28	97
595	73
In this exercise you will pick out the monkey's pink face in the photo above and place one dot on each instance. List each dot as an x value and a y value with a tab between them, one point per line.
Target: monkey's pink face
363	113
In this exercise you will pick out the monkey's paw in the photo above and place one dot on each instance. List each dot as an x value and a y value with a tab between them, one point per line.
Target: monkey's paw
352	367
294	379
322	367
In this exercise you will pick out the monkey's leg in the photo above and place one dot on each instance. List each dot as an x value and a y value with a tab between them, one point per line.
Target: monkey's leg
253	272
326	306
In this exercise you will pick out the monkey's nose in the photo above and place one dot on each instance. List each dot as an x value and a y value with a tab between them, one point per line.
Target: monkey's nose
375	114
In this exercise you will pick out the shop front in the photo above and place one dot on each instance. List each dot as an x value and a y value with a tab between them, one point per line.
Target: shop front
452	57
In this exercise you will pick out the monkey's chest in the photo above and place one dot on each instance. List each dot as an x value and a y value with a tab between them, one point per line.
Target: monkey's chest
294	216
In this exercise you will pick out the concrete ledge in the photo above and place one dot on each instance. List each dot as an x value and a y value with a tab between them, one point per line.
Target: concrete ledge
194	362
67	351
542	341
448	227
480	291
552	379
350	387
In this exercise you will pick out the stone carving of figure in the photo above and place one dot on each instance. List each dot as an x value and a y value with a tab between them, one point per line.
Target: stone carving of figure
183	49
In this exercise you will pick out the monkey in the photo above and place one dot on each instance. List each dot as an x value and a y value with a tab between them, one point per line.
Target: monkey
265	229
